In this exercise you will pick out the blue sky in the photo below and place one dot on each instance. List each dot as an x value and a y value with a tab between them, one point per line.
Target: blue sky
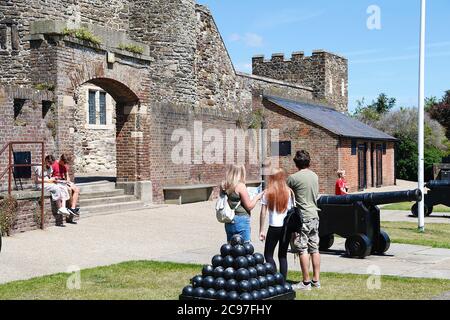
380	60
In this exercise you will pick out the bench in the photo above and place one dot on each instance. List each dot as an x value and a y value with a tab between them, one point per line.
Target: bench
181	194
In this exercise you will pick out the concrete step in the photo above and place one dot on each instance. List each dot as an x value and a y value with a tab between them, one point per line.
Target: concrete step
106	200
104	209
97	186
102	194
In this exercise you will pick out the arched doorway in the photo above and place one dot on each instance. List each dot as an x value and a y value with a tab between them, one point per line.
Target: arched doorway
107	131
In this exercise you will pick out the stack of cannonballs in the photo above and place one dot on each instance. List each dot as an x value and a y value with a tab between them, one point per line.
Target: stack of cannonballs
237	273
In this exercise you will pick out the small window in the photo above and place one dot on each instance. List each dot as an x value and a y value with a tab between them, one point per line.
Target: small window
102	108
281	149
92	107
18	106
384	148
46	106
353	147
343	87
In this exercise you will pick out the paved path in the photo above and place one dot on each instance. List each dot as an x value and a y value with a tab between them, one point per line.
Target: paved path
187	233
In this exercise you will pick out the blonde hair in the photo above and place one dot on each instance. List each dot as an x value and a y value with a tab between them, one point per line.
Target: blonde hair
235	175
340	173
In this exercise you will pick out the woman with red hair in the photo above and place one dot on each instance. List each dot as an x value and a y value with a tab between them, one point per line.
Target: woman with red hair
277	201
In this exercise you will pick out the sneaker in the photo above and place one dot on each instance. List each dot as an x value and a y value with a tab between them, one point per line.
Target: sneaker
315	285
302	287
74	211
64	211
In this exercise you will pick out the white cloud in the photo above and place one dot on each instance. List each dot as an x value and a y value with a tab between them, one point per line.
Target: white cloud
286	17
252	40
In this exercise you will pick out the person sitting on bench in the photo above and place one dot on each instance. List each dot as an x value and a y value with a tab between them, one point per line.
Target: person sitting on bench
59	193
60	173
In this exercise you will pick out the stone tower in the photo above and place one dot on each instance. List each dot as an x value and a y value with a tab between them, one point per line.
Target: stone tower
326	73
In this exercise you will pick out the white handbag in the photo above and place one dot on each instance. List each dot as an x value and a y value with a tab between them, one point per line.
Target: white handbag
224	213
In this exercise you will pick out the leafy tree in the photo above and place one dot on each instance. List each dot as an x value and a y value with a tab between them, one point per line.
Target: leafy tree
372	112
441	112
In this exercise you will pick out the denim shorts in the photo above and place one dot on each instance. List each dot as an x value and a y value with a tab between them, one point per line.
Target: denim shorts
240	226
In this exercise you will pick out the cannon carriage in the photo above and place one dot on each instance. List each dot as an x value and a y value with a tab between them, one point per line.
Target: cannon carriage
438	193
357	219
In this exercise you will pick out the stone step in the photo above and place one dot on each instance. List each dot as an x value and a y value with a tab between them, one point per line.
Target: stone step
97	186
104	209
102	194
106	200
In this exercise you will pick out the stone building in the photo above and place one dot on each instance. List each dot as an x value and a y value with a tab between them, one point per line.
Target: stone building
110	82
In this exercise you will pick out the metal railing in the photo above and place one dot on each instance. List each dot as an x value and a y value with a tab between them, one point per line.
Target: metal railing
12	165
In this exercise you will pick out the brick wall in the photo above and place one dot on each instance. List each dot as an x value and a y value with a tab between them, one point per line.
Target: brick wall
304	135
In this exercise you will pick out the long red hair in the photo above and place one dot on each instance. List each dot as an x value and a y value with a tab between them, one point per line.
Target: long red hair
277	192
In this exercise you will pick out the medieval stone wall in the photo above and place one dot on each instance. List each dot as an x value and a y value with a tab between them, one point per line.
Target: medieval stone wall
95	144
326	73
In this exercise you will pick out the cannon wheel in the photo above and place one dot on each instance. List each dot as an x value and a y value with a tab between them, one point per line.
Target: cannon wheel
326	242
383	243
358	246
415	210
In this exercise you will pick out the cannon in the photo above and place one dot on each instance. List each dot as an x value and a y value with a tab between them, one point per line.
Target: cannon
438	193
356	218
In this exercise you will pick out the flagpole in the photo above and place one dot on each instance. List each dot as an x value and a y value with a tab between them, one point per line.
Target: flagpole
421	182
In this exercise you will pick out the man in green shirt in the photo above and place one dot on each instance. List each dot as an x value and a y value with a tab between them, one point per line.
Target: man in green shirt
305	185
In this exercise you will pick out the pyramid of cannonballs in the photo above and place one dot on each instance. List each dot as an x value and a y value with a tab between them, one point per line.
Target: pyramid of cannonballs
237	273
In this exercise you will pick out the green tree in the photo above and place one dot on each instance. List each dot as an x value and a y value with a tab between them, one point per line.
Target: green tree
373	112
440	111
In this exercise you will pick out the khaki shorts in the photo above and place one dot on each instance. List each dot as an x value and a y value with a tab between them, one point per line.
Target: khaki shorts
308	240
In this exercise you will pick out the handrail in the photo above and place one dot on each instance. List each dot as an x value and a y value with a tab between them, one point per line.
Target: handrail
10	166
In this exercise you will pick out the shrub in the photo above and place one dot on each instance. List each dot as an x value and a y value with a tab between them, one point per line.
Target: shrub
440	111
8	214
132	48
82	34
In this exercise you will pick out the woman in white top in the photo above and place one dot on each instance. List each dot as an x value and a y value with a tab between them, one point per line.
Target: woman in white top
277	201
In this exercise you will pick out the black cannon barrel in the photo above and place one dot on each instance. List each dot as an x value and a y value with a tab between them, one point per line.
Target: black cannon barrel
438	183
375	198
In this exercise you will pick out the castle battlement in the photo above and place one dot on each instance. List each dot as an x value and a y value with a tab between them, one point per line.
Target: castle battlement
295	56
324	71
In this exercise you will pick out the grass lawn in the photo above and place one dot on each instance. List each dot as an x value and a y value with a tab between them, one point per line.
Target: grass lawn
436	235
406	206
156	280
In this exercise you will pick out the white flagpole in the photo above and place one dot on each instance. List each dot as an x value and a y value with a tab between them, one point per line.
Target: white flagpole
421	213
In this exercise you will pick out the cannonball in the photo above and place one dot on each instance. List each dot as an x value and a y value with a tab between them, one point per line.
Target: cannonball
218	272
232	295
240	262
220	295
228	261
251	260
254	283
245	286
225	250
188	291
217	261
242	274
238	251
279	289
229	273
270	268
209	294
262	282
198	292
279	279
246	296
231	285
264	293
260	269
259	258
249	249
207	270
237	240
219	284
270	280
208	282
272	291
252	272
256	295
197	281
